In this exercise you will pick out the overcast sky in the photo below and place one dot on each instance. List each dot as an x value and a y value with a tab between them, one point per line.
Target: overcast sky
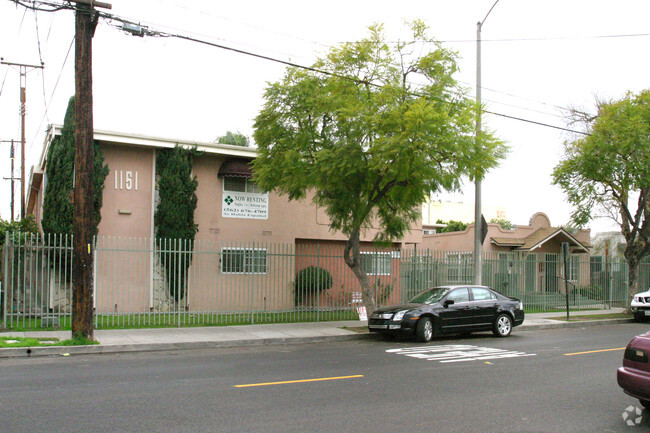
538	57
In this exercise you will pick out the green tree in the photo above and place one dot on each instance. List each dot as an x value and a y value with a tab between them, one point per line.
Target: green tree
608	172
503	223
26	226
21	233
234	138
371	131
451	226
174	216
58	214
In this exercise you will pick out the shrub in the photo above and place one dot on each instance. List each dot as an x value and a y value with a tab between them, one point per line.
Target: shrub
58	209
311	280
174	216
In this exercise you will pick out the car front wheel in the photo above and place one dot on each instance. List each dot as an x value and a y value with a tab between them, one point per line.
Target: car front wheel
502	326
424	330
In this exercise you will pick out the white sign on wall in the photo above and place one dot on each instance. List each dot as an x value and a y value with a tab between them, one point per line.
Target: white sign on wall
245	205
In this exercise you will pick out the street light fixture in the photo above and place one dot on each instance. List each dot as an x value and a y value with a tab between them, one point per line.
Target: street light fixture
478	216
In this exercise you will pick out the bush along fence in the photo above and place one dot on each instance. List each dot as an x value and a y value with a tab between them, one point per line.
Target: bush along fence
170	282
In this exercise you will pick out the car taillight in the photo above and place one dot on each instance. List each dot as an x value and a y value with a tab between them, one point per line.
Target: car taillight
636	355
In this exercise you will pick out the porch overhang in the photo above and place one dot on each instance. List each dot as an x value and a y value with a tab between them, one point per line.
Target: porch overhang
539	238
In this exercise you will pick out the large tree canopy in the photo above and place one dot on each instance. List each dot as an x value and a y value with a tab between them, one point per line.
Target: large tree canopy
371	130
609	171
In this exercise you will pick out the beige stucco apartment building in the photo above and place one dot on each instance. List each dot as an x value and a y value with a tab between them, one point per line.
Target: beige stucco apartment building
250	244
248	215
241	230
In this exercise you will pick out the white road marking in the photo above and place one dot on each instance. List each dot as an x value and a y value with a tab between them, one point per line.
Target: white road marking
458	353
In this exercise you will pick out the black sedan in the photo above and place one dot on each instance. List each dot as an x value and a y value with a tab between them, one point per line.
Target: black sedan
450	310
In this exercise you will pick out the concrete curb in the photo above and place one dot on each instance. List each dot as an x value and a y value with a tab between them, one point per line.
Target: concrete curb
33	352
578	324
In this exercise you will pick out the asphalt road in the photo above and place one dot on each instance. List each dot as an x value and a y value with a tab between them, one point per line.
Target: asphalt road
561	380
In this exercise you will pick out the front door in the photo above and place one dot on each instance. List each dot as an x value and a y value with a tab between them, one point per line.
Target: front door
551	272
458	315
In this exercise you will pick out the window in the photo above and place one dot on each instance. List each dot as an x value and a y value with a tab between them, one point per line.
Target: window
243	261
239	184
573	263
596	263
460	268
458	295
481	294
376	263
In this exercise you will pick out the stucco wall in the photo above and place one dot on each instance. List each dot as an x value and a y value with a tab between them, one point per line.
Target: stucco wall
126	209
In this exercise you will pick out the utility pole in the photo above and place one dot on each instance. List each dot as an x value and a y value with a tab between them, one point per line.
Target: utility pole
23	110
13	188
478	215
12	178
82	271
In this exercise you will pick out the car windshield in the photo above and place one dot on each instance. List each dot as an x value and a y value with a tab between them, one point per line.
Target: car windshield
430	296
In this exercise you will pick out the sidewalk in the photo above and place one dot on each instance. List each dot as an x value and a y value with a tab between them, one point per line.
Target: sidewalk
159	339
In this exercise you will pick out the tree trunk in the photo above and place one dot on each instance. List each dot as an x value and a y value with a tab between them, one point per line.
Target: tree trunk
633	282
352	256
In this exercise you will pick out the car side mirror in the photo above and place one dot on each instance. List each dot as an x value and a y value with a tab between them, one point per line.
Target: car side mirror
448	302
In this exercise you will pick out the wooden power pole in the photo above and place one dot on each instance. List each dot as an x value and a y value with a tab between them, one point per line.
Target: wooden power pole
23	111
82	270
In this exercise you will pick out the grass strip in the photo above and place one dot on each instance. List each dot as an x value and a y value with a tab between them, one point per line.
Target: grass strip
581	317
6	342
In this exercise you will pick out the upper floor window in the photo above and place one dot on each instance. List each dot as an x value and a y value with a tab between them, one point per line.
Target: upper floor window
240	184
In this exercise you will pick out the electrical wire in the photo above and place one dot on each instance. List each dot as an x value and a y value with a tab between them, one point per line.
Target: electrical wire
3	81
357	80
54	6
40	56
148	32
47	106
546	39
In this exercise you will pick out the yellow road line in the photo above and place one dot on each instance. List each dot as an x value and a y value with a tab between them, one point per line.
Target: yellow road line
594	351
299	381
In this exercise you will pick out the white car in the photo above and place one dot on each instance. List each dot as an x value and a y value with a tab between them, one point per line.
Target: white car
641	306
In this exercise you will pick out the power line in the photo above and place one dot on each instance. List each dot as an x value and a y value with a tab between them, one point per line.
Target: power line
139	30
559	38
536	123
47	106
40	57
147	32
54	7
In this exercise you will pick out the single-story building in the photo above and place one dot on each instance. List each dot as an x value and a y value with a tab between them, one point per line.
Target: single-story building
537	247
